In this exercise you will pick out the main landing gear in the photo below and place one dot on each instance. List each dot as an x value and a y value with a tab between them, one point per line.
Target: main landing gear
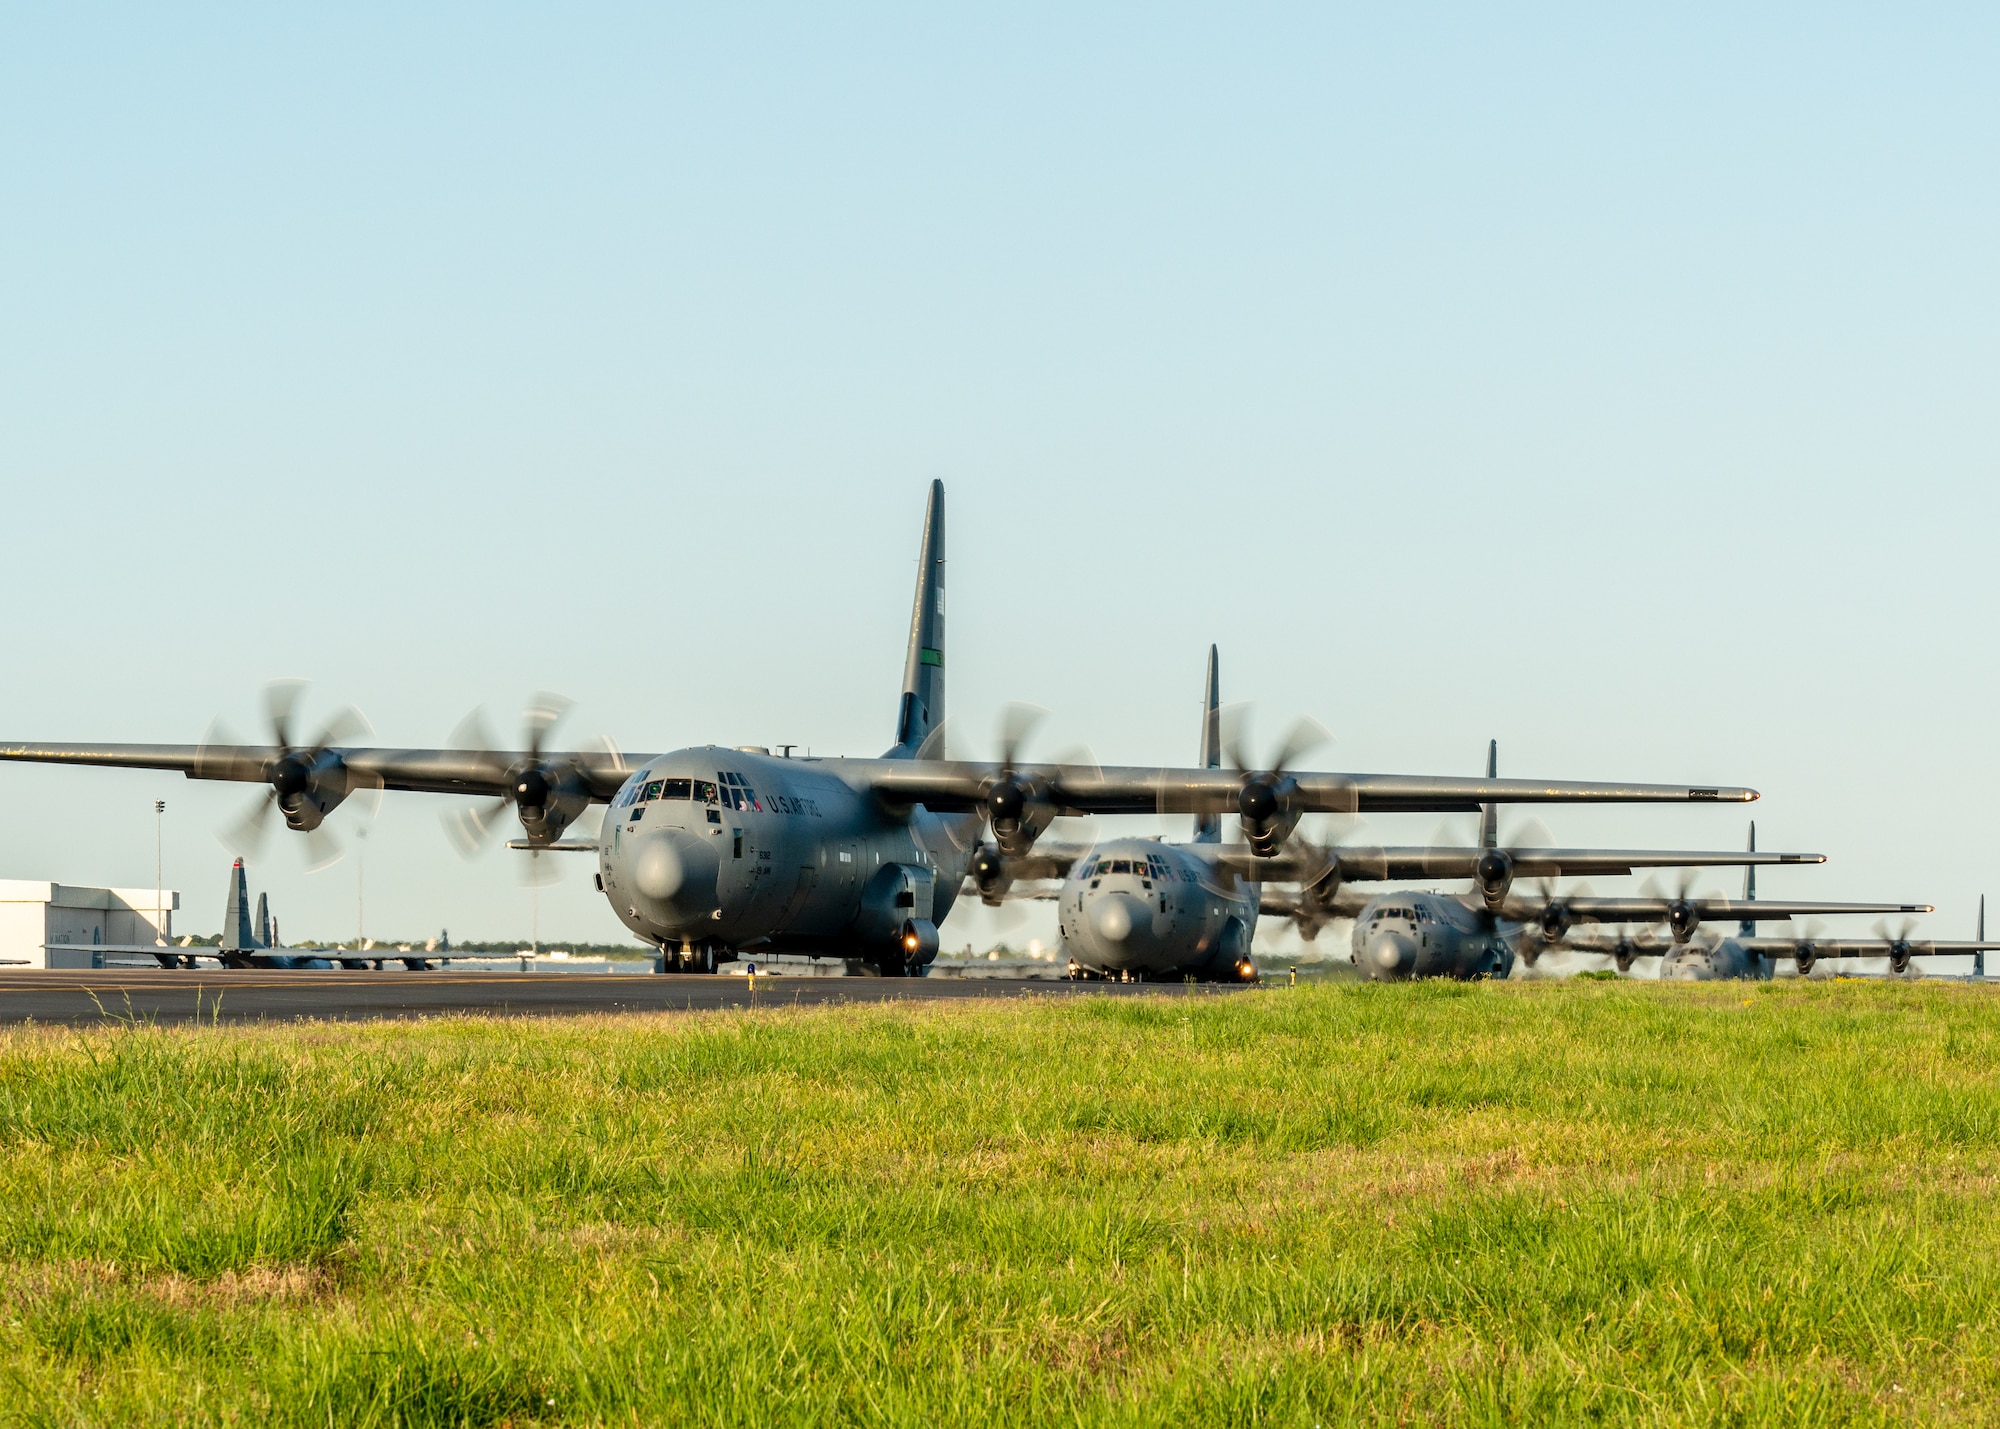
689	958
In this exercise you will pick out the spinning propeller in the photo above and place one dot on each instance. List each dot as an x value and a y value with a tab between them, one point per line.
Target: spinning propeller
308	781
546	792
1267	797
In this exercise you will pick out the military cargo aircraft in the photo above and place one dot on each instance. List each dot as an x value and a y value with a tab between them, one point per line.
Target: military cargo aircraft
1142	908
1408	934
713	851
1748	956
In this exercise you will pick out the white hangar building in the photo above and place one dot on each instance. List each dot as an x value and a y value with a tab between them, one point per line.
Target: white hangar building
57	925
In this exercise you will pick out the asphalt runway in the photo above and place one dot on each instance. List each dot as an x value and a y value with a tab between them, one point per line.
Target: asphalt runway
164	996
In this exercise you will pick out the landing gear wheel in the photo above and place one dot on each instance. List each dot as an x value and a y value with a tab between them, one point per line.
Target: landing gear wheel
704	961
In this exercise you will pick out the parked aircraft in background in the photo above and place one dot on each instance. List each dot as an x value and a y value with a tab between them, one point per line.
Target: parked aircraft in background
1748	955
1144	908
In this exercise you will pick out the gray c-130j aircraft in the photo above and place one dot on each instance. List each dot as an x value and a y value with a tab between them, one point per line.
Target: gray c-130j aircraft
708	852
1143	908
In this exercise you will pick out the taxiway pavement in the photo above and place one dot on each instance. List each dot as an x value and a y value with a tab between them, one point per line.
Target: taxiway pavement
165	996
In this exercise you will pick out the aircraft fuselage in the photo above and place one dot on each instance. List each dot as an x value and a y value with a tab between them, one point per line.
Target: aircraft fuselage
714	852
1401	936
1147	909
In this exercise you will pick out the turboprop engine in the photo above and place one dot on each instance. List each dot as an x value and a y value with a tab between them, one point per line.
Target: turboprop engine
1494	873
308	781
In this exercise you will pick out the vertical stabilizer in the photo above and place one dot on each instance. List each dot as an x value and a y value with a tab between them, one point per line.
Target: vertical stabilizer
263	920
237	933
1208	827
1489	814
1748	927
922	712
1979	958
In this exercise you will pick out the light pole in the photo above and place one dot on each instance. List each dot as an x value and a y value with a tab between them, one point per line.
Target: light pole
159	871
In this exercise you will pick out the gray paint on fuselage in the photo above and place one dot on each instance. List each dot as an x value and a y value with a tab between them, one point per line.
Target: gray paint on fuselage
1182	915
1406	935
809	846
1721	960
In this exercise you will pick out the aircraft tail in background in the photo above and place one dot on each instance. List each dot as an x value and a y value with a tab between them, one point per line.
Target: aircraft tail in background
1208	827
1489	814
920	718
1748	928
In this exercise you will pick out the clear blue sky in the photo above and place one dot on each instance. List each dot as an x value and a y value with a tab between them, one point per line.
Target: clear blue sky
1621	385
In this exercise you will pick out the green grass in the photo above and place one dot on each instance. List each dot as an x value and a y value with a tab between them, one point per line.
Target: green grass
1529	1203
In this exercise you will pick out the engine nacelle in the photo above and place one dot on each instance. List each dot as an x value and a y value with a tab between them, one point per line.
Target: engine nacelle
309	787
1803	957
1494	873
989	874
1899	957
548	799
1555	920
1019	812
1268	809
1683	918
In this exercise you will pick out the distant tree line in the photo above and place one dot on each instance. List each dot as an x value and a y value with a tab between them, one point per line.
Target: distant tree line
470	948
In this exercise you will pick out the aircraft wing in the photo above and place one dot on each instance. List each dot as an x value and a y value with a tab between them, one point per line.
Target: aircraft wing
432	771
941	785
1045	861
1705	910
1295	903
1861	947
1358	864
1078	789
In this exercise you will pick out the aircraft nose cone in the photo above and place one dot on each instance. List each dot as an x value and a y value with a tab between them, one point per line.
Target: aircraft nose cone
673	877
1691	970
659	871
1113	917
1393	952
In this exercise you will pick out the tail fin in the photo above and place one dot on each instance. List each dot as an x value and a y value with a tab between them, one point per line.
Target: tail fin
1979	958
1208	827
922	713
1489	814
237	933
263	920
1748	927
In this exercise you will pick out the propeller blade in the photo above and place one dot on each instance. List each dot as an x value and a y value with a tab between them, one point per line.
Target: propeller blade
323	849
345	724
1017	722
1305	735
471	825
542	714
211	761
1234	722
1529	834
281	700
245	837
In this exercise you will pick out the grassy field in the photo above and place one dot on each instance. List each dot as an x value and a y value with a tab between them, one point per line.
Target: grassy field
1548	1203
